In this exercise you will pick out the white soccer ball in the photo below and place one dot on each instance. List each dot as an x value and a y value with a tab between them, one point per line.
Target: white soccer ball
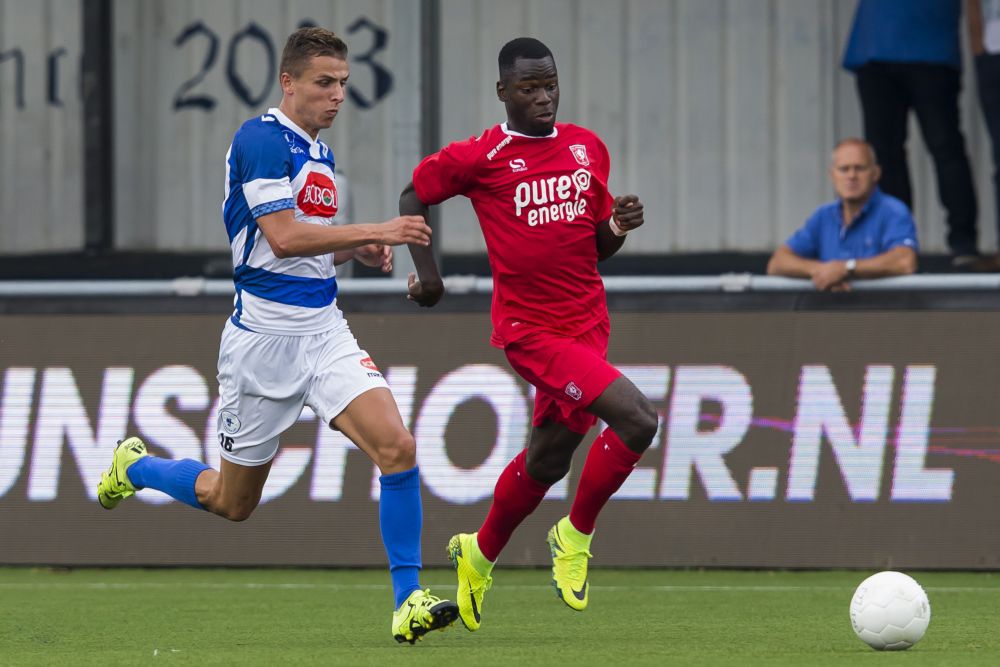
890	611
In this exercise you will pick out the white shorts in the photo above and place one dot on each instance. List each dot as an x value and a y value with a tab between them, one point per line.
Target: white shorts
265	380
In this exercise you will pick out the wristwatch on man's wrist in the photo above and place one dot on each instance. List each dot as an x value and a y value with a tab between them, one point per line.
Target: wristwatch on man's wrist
851	265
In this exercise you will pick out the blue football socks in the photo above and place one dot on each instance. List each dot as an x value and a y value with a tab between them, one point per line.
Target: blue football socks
401	519
175	478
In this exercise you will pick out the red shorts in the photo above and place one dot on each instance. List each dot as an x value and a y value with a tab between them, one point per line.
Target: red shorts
568	372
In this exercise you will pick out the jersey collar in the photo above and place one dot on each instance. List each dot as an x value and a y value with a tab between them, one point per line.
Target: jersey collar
287	122
506	130
315	147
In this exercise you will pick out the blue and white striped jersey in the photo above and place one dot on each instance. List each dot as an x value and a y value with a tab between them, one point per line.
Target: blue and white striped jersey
273	165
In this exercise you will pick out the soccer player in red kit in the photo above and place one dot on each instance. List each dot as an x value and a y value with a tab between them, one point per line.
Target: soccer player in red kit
539	189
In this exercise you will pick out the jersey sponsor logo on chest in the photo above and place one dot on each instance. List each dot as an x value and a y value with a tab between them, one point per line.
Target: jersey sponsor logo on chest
553	198
318	197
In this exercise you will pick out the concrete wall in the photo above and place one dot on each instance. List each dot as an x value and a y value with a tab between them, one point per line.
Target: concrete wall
719	113
41	141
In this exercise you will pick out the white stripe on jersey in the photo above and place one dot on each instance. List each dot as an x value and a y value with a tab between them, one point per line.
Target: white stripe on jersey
265	190
262	257
239	245
229	152
260	315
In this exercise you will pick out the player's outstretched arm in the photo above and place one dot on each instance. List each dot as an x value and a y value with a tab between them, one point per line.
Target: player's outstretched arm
426	287
626	215
290	238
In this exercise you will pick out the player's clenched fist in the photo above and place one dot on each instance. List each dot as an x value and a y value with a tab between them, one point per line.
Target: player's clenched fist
627	212
405	229
424	294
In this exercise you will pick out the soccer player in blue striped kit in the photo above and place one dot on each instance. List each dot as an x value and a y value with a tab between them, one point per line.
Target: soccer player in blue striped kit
287	344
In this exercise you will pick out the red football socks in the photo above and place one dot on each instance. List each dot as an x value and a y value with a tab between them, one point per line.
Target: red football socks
608	465
516	496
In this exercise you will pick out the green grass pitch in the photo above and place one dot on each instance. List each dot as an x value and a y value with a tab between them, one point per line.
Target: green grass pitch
342	617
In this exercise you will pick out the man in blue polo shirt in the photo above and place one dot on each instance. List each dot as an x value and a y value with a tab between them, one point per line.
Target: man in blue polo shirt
864	233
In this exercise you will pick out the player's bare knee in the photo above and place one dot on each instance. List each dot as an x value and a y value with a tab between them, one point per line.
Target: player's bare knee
647	422
547	469
637	427
398	453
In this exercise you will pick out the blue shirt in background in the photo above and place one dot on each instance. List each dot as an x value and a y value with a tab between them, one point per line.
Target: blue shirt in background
883	224
905	31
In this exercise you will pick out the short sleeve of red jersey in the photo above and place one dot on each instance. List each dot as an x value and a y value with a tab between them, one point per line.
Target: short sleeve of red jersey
447	173
603	167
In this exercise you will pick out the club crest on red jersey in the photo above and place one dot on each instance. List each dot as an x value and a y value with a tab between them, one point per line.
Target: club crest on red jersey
573	391
579	152
318	196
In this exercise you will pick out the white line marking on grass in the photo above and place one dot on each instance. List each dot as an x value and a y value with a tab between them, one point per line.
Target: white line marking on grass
97	585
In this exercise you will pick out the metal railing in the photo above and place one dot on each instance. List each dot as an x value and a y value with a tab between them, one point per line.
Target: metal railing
729	282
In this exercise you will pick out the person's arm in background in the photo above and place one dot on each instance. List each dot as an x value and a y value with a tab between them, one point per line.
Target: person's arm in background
835	275
784	262
899	237
898	261
830	275
798	256
974	21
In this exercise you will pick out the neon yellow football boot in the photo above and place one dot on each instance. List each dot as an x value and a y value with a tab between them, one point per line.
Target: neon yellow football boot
570	552
115	485
463	550
419	614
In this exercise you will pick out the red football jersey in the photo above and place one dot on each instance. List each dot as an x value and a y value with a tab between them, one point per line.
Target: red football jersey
539	201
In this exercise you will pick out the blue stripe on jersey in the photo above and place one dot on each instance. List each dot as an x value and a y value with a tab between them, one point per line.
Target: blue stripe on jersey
289	290
235	213
235	320
271	207
251	239
248	244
